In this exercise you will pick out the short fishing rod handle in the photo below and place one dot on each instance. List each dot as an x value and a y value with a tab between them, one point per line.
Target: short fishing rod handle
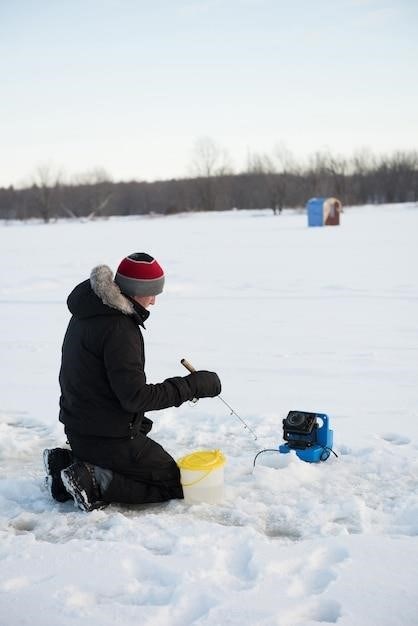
191	369
188	365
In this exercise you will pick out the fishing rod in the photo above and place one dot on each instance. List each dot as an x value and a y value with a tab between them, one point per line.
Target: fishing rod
192	369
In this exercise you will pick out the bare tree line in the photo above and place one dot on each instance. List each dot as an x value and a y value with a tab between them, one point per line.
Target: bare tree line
273	181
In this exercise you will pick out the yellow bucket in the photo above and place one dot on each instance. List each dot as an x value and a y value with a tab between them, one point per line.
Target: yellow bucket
202	476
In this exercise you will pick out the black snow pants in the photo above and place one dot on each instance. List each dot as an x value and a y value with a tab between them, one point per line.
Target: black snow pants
143	471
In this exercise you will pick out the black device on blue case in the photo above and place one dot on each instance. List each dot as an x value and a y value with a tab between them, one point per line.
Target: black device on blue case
308	434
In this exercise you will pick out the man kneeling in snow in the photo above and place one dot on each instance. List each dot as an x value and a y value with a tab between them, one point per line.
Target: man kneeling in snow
104	394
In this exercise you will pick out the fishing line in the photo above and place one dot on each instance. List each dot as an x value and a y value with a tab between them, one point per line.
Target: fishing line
192	369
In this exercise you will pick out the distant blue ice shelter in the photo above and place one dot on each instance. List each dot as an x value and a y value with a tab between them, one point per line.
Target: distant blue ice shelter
315	209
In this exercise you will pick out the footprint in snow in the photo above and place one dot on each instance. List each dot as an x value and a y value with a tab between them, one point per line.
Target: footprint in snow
317	572
240	564
328	611
325	611
312	578
396	439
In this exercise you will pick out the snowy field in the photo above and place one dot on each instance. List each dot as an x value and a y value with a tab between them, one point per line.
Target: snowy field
291	317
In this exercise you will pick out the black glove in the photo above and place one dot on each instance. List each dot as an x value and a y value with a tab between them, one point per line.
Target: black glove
204	384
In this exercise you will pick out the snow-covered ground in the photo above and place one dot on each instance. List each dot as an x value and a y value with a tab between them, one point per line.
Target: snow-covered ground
291	317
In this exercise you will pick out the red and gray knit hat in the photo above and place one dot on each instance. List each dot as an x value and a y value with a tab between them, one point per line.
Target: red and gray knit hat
139	274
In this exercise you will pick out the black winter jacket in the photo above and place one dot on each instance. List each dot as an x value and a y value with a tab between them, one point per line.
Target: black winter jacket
104	392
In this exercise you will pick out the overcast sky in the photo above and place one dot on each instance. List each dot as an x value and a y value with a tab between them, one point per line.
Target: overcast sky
131	85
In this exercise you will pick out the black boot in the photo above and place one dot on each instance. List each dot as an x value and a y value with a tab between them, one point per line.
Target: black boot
55	460
80	482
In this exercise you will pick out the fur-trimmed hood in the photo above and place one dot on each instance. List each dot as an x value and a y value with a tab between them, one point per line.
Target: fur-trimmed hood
100	295
103	285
